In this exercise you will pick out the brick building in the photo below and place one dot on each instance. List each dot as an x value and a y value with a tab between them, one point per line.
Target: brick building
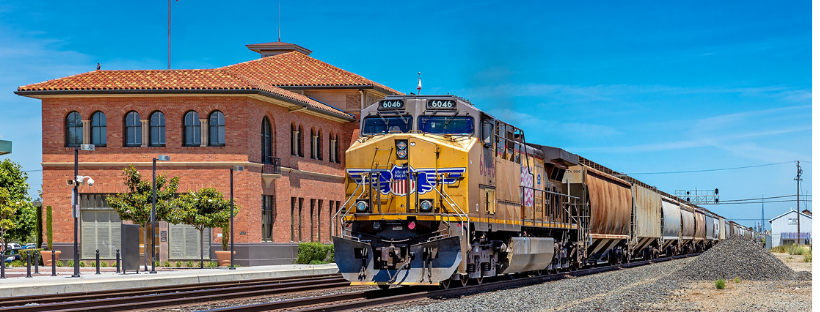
286	117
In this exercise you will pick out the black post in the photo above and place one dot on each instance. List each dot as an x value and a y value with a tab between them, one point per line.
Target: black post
232	267
118	260
53	263
3	265
74	213
28	265
154	219
36	262
98	262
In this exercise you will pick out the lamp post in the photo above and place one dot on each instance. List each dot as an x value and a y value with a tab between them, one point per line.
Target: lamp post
75	200
154	211
234	168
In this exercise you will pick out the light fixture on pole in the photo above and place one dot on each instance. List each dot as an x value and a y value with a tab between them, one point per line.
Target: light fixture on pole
154	212
234	168
75	203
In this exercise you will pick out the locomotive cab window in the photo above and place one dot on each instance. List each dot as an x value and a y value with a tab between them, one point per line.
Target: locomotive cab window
381	125
487	133
446	124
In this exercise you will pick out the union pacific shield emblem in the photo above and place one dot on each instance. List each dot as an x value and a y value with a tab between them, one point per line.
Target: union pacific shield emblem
394	181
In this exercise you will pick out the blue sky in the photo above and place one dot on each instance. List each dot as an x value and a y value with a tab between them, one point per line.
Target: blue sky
638	86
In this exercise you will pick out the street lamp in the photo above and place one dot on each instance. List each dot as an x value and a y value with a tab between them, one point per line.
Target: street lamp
75	198
234	168
154	212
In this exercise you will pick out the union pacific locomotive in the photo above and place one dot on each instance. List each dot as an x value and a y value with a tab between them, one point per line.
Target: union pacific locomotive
440	192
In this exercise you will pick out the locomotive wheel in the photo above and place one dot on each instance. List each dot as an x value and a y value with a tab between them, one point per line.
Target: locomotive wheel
464	280
384	286
445	284
479	280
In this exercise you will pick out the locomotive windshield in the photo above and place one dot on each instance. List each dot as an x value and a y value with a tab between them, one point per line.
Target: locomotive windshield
381	125
446	124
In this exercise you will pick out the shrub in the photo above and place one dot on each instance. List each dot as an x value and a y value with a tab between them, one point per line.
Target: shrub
82	264
60	263
156	263
211	264
807	258
70	263
189	264
50	232
104	264
178	264
166	264
16	263
720	284
798	250
314	253
737	280
94	264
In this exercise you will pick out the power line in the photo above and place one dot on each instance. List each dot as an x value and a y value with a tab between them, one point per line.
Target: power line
760	198
772	201
710	170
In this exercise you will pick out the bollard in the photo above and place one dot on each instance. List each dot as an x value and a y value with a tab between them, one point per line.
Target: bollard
36	262
98	262
53	263
3	266
118	260
28	265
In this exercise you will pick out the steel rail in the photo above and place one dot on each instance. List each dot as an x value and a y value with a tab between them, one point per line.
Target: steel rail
145	301
89	295
374	298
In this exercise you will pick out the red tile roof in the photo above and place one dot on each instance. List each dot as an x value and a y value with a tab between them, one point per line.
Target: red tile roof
294	69
268	75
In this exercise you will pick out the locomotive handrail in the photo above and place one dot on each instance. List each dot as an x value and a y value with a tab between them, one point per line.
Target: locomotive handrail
335	215
460	213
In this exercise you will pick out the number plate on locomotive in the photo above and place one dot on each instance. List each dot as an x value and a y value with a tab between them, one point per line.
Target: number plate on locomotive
441	104
391	104
397	228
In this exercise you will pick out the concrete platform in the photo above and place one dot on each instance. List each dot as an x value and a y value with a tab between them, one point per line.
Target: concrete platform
17	284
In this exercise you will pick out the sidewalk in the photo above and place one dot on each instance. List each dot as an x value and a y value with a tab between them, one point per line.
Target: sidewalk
16	284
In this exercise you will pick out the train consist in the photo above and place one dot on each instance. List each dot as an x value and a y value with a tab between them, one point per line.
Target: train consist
440	192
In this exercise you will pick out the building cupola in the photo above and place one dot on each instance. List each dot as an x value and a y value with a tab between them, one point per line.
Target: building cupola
278	47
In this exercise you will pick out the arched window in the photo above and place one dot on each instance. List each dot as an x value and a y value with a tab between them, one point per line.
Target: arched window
133	129
267	147
314	150
191	130
319	145
157	133
296	148
334	154
98	129
301	139
216	129
73	129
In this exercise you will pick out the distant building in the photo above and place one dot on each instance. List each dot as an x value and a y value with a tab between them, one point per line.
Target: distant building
5	147
784	228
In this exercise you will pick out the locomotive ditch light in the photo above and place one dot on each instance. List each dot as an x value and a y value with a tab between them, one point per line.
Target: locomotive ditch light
401	149
361	206
426	205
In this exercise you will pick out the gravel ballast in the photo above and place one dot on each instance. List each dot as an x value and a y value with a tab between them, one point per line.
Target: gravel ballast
737	257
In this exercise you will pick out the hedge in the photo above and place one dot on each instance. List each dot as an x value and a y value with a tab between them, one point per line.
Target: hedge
315	253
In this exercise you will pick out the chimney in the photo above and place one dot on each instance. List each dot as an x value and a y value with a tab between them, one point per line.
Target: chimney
275	48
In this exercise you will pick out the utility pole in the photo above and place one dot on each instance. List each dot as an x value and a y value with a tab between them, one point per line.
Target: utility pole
798	179
762	212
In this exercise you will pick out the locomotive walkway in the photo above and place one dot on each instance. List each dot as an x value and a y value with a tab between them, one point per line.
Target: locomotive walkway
43	284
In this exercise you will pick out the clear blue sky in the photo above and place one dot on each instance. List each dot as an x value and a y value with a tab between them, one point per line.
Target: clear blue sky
640	86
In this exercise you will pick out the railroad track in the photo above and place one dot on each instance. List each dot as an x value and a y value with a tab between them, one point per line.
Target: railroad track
374	298
169	296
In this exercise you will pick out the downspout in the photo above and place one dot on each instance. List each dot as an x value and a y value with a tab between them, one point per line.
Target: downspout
361	95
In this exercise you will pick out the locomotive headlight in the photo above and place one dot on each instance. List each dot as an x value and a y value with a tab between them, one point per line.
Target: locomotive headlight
401	149
361	206
426	205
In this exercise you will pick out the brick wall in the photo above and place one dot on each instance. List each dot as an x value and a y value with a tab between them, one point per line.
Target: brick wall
243	120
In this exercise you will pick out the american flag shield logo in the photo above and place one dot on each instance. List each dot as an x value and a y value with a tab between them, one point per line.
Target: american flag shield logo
399	187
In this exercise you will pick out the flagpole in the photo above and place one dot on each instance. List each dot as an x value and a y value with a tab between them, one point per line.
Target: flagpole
169	34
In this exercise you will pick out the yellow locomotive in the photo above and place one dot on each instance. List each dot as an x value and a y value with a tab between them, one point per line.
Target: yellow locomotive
439	191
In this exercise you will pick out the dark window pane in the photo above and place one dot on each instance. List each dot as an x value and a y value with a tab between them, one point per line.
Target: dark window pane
379	125
98	129
446	125
157	129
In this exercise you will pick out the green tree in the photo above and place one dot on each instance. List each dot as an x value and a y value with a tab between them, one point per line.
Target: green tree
202	209
14	180
135	204
9	208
